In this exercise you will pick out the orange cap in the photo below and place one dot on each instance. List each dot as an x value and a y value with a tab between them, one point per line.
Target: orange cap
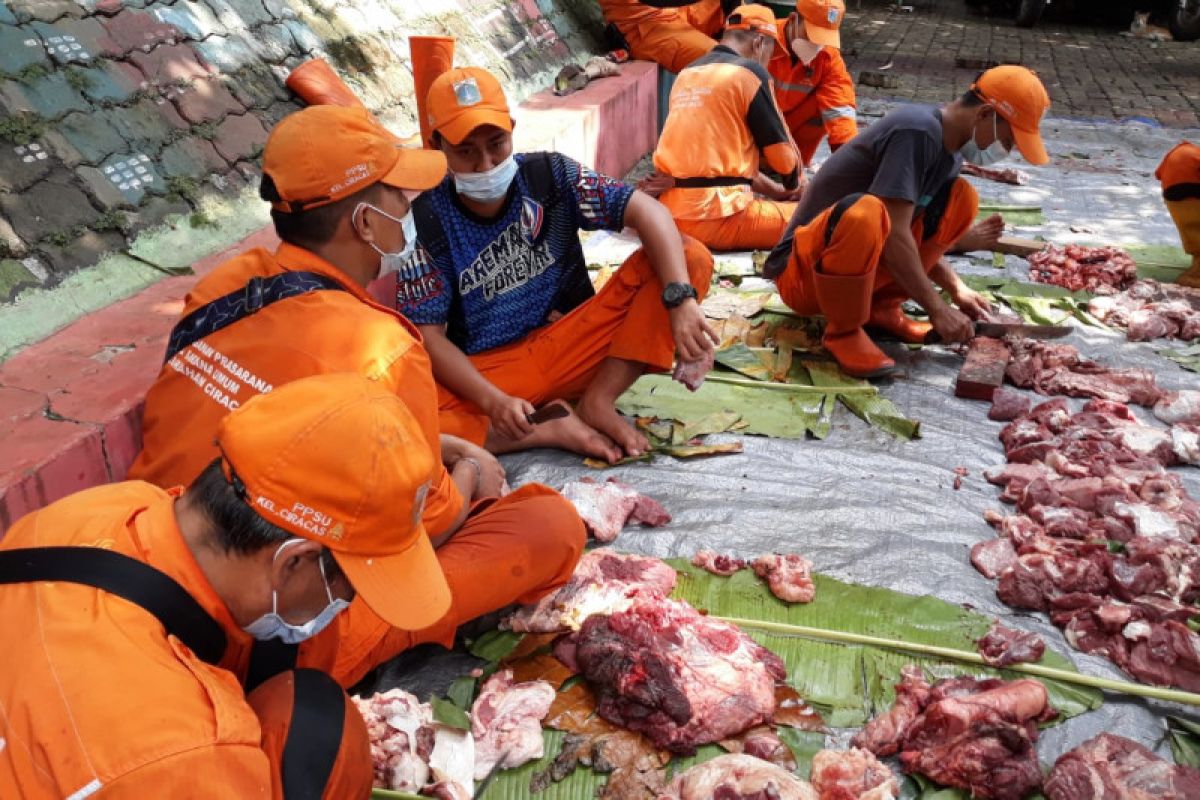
323	154
822	18
339	460
1019	97
758	19
464	99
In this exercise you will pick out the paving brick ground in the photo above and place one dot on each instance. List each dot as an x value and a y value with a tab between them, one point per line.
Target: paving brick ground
1090	71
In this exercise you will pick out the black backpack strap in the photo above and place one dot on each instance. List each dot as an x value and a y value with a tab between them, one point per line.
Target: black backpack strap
838	211
314	735
269	658
256	295
127	578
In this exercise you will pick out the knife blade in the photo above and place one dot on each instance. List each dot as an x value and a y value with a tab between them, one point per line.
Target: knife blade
998	330
547	413
482	786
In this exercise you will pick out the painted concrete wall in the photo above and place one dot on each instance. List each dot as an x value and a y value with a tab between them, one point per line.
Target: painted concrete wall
119	115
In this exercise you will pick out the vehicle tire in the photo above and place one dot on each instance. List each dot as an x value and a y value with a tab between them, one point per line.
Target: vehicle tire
1029	12
1184	20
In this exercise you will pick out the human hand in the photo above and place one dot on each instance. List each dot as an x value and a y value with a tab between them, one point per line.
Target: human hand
951	324
694	337
490	474
510	416
972	303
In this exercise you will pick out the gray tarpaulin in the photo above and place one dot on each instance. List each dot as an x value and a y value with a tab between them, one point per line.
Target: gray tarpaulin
870	509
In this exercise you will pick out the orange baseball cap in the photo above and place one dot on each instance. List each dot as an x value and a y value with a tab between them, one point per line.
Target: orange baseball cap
822	18
461	100
758	19
1019	97
339	460
323	154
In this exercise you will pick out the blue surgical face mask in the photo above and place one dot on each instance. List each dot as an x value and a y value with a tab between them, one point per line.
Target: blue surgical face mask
273	626
392	262
995	152
490	186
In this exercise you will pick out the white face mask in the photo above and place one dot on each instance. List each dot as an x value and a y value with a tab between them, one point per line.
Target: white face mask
490	186
995	152
805	50
273	626
392	262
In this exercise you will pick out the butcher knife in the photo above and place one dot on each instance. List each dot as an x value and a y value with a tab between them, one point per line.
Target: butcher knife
547	413
998	330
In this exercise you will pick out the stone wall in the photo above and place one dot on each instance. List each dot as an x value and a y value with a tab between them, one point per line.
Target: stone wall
118	115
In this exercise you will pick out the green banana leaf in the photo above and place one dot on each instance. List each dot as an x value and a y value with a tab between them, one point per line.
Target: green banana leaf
1184	736
1161	262
1020	216
741	359
1187	357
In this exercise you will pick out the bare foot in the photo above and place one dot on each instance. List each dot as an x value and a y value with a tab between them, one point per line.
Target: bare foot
564	433
604	418
983	235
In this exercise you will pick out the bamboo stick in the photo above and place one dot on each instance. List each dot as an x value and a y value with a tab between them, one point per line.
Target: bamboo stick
1124	687
790	387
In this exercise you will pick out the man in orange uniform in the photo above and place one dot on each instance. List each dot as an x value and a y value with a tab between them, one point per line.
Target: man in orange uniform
340	188
126	608
671	33
876	220
500	289
813	87
1179	174
723	115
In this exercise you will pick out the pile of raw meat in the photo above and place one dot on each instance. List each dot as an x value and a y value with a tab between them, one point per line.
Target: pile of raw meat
1058	369
788	576
680	678
1150	310
607	507
1112	766
836	775
1077	267
1105	538
604	582
413	753
978	735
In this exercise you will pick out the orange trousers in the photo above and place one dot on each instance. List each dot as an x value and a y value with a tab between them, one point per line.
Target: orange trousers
855	248
1179	174
672	45
809	136
626	319
759	226
313	736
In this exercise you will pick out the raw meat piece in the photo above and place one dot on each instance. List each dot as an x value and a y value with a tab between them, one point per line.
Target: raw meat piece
1181	406
395	723
683	679
1002	646
978	735
982	371
789	576
1057	369
1009	175
718	563
1037	578
607	507
854	774
603	582
451	764
1111	766
1077	267
506	722
447	790
692	373
993	556
764	743
1150	310
1185	442
883	734
1008	405
735	776
959	474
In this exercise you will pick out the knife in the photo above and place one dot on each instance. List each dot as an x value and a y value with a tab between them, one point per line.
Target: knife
547	413
999	330
491	776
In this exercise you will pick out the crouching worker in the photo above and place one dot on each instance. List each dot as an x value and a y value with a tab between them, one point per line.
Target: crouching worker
500	291
135	610
881	213
723	119
672	33
1179	174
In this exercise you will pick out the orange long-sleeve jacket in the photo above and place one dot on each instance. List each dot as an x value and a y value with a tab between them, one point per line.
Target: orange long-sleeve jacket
310	334
722	116
819	95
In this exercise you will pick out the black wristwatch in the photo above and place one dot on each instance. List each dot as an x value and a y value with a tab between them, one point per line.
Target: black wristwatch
675	293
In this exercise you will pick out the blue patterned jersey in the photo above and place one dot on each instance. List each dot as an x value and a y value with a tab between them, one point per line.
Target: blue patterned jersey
492	282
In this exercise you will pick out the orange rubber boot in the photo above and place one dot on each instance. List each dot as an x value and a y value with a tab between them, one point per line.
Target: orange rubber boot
431	56
317	84
887	315
846	301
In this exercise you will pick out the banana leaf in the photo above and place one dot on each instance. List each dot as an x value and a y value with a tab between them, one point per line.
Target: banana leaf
1161	262
1187	357
1020	216
1184	736
741	359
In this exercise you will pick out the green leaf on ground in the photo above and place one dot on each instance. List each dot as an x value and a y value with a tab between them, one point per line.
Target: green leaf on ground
1186	357
449	714
494	645
1020	216
1185	741
1160	262
883	414
462	692
804	745
741	359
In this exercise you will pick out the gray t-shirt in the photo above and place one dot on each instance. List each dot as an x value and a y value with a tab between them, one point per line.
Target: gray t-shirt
900	157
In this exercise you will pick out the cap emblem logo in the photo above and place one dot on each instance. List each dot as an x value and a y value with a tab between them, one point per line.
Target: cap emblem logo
337	532
833	16
467	92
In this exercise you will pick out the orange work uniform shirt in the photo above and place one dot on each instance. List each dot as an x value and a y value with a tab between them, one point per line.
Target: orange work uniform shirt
95	696
722	116
819	96
311	334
